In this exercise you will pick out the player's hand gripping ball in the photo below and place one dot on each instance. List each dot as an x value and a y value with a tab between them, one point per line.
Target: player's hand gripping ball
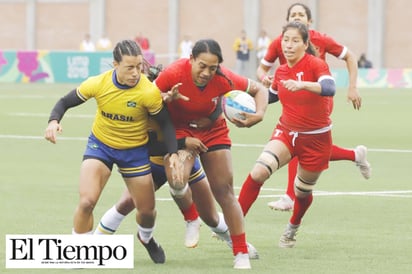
236	102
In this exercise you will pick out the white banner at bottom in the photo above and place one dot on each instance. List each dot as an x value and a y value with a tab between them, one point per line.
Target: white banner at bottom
69	251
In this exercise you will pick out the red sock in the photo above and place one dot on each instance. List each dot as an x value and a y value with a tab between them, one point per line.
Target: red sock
292	171
299	209
340	153
239	244
248	194
190	214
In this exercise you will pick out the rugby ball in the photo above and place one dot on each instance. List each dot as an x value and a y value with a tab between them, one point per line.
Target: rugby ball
235	102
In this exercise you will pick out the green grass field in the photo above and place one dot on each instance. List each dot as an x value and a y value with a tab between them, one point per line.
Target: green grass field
354	225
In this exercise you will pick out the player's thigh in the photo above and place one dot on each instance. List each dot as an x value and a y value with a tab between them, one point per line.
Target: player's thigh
141	189
219	171
203	198
308	176
94	175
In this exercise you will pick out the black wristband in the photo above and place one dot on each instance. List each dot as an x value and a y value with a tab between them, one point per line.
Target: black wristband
181	143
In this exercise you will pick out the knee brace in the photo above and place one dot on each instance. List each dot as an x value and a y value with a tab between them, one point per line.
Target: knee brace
304	186
269	160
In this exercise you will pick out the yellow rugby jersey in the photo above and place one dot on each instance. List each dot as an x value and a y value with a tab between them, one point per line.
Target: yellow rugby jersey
122	113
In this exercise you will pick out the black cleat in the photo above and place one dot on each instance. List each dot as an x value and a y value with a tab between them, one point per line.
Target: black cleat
155	251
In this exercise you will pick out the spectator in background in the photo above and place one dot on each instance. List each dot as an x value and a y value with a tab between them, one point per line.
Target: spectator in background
242	46
363	62
87	44
185	47
263	43
142	41
104	43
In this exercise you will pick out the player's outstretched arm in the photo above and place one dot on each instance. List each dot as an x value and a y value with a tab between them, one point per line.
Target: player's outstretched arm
51	131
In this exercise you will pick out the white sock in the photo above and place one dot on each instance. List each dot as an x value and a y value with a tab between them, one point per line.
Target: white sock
109	222
222	228
145	234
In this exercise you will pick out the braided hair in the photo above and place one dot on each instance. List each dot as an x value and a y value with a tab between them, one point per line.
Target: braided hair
210	46
126	47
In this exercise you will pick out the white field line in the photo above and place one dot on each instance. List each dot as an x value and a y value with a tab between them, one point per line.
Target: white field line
369	149
397	193
30	96
88	116
383	193
28	137
25	114
23	137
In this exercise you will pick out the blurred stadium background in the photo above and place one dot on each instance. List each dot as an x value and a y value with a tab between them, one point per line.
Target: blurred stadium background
378	28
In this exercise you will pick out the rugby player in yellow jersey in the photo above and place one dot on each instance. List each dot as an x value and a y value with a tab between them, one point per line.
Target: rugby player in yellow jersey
125	99
188	147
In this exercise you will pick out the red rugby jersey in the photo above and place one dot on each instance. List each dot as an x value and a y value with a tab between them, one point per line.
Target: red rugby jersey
303	110
202	100
322	43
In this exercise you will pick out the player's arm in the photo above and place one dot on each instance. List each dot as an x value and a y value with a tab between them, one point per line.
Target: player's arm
173	164
207	122
352	66
158	148
259	93
217	112
325	86
169	133
262	74
173	94
68	101
192	144
267	63
273	96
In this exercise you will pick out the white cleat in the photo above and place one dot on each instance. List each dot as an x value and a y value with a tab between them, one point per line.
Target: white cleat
241	261
192	233
288	240
225	237
361	161
252	251
284	203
